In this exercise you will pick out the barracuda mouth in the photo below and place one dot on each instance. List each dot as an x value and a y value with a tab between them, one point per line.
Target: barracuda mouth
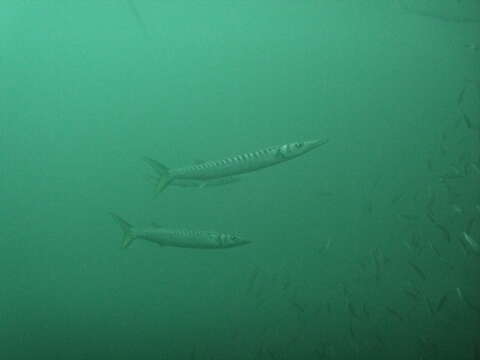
243	243
313	144
240	242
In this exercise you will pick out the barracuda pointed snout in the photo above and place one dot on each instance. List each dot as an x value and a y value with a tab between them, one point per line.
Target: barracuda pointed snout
313	144
238	240
243	242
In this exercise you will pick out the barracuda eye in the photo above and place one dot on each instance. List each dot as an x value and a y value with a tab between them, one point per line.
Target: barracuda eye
283	151
298	145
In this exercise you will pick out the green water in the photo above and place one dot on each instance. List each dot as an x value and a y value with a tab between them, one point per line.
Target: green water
353	246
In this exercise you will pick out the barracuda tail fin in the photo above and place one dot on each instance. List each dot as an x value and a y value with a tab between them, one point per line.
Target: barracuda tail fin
128	235
163	174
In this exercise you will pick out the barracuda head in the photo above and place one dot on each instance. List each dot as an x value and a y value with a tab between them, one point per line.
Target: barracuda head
292	150
228	240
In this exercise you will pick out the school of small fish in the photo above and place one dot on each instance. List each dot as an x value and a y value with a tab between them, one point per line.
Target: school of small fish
423	294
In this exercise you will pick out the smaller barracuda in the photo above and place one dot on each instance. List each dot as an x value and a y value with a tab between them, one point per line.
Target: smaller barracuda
193	239
231	166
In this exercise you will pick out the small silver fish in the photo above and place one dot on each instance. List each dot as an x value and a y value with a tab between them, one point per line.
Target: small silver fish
457	209
472	242
472	47
460	295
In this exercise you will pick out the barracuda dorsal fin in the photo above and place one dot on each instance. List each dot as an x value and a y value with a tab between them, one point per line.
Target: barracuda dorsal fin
199	162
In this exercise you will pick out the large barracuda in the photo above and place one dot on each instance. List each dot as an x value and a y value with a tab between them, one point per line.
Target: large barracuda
203	184
231	166
194	239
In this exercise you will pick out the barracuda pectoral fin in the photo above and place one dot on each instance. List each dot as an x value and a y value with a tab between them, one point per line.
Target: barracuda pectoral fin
162	183
127	241
279	154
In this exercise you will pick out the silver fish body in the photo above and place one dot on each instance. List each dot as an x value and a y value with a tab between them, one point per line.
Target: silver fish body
183	238
232	166
197	239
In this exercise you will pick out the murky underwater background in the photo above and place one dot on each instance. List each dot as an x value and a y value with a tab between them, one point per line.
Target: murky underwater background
367	248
